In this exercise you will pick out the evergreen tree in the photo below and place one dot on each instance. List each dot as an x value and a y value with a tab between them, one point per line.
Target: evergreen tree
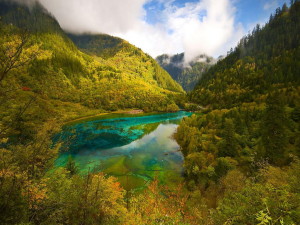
274	133
71	166
228	146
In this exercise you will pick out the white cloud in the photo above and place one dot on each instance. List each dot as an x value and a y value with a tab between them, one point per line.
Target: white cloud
206	26
213	33
152	39
97	15
270	5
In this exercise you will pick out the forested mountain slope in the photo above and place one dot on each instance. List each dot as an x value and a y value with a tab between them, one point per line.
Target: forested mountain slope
186	74
262	60
126	57
126	79
242	155
34	18
46	80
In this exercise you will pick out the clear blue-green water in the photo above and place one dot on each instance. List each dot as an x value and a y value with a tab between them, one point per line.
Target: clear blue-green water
133	148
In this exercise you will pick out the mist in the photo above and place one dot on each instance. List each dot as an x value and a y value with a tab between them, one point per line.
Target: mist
203	27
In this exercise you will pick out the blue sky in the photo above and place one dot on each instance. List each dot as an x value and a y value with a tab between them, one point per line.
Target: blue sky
248	12
166	26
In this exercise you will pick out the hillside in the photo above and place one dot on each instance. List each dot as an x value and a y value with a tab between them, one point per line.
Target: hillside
126	57
243	153
263	61
112	78
34	18
186	74
45	81
240	161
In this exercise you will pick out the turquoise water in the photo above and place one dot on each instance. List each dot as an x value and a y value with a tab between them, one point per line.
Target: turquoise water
133	148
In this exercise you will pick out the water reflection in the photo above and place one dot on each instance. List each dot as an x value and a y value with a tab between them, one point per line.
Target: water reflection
134	149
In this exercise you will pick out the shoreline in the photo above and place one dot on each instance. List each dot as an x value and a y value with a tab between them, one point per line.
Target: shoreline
130	112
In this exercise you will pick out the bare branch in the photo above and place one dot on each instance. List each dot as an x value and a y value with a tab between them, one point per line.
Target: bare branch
10	56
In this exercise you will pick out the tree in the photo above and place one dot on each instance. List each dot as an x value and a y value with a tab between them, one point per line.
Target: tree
16	50
285	8
274	135
199	167
228	146
224	165
71	166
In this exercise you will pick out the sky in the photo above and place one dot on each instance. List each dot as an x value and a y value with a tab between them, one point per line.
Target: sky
166	26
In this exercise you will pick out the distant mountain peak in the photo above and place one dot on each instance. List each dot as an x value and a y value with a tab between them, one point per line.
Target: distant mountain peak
178	60
30	15
96	70
204	59
186	73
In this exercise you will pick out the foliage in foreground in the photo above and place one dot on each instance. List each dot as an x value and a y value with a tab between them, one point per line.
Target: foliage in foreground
243	154
241	158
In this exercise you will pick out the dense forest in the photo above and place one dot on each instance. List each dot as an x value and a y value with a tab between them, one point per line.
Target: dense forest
118	78
46	80
187	74
241	152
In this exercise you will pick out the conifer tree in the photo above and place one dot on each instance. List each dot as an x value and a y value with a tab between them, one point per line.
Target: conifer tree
229	144
274	136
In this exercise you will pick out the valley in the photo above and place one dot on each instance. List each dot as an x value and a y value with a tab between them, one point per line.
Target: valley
94	130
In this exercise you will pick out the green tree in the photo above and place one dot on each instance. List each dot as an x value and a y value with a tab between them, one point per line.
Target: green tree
71	166
228	146
16	50
274	132
224	165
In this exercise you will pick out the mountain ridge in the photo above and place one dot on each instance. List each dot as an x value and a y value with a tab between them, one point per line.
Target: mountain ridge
109	78
241	151
186	73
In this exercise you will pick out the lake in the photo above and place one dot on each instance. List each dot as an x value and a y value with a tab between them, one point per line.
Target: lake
134	148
